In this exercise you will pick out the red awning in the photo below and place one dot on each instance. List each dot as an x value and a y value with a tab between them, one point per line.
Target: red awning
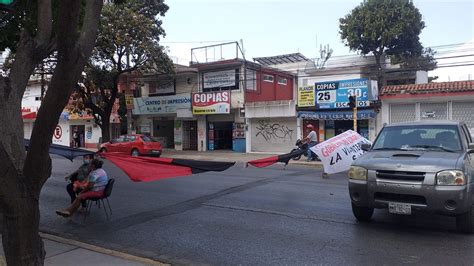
28	115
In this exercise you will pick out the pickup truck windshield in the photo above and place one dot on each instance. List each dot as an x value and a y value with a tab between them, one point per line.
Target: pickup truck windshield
425	137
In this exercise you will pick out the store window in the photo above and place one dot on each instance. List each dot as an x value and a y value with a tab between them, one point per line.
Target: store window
268	78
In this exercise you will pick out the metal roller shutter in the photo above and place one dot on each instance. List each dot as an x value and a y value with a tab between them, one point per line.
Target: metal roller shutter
402	113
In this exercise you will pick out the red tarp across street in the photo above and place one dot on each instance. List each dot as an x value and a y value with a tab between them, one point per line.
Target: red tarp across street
284	158
146	169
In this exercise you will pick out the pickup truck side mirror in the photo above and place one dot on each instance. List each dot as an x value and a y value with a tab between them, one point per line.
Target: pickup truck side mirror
365	146
470	148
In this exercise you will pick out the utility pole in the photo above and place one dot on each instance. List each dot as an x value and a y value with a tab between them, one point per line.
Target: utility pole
353	105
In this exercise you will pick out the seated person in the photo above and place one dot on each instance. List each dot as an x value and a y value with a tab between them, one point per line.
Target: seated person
97	180
80	175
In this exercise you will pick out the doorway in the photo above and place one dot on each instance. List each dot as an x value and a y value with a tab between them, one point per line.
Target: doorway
341	126
222	135
163	131
77	136
190	136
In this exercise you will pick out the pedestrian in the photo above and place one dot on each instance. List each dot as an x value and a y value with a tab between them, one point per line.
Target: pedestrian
80	175
311	139
75	138
97	180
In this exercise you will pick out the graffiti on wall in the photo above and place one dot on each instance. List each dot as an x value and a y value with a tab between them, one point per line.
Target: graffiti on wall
270	131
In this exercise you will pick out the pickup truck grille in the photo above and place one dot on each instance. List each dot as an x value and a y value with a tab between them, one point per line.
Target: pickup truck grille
399	175
402	198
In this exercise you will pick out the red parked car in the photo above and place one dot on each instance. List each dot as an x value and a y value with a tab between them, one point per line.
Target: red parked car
135	145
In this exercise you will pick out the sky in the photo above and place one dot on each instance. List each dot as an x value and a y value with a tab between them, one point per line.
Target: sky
274	27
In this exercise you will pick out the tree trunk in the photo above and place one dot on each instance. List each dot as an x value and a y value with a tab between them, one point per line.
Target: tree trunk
21	243
21	179
105	127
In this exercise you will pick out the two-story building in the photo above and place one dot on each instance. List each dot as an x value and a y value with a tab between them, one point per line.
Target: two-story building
239	102
162	106
270	109
322	92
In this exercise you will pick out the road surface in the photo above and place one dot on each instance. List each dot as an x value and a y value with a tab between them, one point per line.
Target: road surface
252	216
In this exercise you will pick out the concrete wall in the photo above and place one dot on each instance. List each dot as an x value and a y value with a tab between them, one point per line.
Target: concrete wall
202	131
272	134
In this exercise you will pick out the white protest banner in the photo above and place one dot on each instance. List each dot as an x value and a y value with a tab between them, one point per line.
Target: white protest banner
338	153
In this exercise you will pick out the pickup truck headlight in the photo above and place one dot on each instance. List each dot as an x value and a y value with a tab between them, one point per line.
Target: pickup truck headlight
450	178
358	173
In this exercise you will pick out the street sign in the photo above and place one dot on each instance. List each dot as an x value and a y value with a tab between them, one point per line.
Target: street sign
129	101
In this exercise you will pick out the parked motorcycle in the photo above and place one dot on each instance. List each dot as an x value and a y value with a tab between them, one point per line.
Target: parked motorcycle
303	146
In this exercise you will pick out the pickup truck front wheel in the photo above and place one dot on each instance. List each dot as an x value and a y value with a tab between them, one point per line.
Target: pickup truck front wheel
362	214
465	222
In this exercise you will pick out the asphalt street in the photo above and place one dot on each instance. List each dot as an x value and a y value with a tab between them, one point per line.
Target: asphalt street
251	216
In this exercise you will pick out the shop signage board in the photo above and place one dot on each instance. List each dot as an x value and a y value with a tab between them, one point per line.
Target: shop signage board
226	78
129	101
161	104
337	115
211	103
338	153
306	96
335	94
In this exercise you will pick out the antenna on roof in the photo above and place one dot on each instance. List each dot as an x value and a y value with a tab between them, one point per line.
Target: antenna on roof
325	53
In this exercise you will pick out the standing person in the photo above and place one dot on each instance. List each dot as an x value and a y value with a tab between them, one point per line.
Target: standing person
97	181
311	139
80	175
75	138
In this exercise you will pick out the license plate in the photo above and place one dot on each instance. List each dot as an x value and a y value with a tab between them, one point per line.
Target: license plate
399	208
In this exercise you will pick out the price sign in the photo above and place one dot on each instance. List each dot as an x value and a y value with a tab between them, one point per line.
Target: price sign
328	96
129	101
335	94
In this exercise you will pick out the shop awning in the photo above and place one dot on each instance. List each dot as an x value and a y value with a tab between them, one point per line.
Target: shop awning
337	115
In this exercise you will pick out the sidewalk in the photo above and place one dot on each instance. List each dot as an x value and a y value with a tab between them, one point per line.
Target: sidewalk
61	251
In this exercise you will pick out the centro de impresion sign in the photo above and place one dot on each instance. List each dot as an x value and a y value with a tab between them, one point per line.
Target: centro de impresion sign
211	103
161	104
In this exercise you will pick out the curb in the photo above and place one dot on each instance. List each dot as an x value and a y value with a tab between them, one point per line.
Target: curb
102	250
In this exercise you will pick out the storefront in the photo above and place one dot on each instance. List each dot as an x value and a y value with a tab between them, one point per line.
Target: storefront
325	105
272	126
87	132
168	119
430	101
225	129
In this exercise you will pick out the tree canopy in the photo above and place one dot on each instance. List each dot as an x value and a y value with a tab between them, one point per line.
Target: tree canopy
387	28
128	41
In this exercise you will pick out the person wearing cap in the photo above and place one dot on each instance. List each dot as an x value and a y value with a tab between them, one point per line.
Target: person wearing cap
311	139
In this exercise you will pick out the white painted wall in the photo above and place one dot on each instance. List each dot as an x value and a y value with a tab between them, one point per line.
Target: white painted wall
202	131
273	134
271	109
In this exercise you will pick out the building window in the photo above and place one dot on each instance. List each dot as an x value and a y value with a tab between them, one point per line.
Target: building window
251	80
282	81
268	78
